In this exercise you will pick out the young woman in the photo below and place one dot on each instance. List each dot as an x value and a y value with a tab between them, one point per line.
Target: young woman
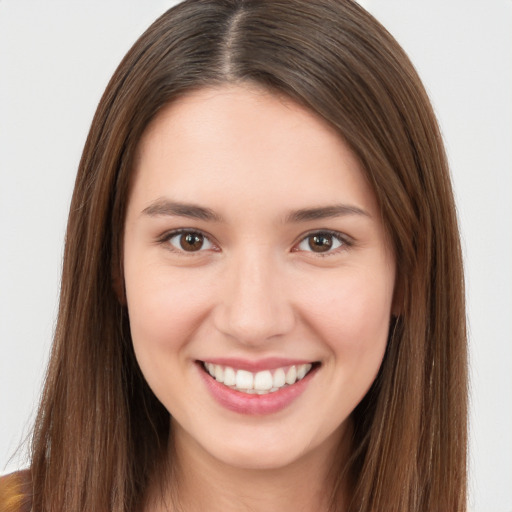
262	301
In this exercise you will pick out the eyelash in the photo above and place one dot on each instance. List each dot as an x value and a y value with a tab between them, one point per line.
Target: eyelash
344	241
167	237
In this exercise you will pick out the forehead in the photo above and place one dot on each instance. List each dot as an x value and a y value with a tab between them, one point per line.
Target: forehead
250	140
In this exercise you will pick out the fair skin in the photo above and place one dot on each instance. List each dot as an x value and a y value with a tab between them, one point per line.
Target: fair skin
254	249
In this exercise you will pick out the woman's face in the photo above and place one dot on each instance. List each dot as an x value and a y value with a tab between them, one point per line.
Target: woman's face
259	279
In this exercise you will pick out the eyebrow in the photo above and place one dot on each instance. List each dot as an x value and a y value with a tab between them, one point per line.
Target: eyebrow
166	207
325	212
192	211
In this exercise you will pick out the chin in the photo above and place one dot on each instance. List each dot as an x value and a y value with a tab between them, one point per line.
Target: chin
271	450
258	458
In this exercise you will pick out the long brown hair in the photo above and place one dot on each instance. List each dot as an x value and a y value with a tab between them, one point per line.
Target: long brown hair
100	431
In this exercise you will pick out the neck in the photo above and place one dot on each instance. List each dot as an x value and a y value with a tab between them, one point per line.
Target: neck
201	482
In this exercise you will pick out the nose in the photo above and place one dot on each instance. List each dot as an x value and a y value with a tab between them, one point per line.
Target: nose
253	305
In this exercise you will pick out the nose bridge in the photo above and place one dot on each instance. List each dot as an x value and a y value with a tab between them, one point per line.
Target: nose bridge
254	305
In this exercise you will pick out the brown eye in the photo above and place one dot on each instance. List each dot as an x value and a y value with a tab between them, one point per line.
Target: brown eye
321	242
189	241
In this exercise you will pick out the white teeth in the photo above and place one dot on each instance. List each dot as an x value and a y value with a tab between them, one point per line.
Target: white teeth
291	375
219	373
262	382
279	379
229	376
302	370
244	379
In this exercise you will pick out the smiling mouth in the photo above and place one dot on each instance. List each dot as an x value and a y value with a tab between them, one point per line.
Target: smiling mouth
258	383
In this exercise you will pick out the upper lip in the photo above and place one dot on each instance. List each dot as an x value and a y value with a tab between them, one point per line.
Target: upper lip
269	363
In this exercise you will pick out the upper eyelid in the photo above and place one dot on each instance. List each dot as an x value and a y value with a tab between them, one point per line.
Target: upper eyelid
179	231
338	234
347	243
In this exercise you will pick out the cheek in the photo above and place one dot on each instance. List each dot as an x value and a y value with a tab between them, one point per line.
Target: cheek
164	312
354	317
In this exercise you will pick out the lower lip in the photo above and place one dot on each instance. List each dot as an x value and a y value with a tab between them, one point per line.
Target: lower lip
244	403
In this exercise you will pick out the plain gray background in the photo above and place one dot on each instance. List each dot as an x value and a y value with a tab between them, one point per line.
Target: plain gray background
55	60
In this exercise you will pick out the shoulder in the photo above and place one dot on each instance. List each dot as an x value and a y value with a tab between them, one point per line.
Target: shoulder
15	491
